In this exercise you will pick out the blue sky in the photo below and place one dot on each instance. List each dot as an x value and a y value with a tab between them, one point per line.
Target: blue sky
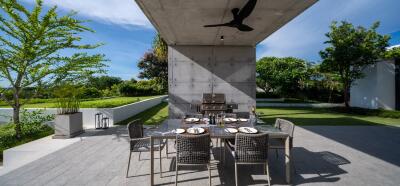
127	33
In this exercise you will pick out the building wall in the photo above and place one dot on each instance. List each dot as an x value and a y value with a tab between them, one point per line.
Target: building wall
377	89
194	70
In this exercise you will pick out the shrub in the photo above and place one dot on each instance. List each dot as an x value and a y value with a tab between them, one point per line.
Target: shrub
32	126
90	92
68	99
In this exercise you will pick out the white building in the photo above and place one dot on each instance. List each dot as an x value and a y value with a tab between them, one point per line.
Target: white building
380	88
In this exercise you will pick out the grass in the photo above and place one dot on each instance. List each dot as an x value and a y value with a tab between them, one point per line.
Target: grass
289	100
152	116
7	135
88	103
317	116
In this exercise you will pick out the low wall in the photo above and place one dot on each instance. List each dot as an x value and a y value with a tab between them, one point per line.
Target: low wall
116	114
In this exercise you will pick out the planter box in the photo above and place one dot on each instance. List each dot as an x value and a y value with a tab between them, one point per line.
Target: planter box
68	125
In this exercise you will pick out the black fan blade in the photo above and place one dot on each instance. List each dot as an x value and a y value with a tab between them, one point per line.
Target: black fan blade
217	25
247	9
244	28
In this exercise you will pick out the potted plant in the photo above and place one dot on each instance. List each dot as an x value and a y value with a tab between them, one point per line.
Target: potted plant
68	122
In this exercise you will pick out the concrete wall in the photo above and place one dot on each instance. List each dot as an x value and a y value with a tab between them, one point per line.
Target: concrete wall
116	114
194	70
377	88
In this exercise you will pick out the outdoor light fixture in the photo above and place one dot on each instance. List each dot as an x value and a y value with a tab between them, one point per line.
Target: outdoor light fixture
222	38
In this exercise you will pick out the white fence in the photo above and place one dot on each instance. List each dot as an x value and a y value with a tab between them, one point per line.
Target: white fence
116	114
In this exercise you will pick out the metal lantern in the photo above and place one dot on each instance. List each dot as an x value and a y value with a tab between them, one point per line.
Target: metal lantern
105	122
98	119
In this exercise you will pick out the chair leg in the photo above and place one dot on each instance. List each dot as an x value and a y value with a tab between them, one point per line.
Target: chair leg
224	150
160	164
176	174
129	163
209	173
166	148
268	176
236	175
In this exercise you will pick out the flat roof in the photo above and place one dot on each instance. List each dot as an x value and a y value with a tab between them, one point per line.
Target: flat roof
181	22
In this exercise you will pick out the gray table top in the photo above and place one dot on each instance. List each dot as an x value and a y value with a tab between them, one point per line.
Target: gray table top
168	127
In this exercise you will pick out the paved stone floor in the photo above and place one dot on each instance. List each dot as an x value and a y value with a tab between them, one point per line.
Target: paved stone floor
323	155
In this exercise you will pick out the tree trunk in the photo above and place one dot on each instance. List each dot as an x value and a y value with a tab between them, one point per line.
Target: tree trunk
16	110
16	121
346	95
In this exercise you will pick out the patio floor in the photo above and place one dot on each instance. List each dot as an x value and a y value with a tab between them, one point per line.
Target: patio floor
323	155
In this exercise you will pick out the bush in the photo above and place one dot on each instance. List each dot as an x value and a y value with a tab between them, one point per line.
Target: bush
267	95
140	88
33	127
90	92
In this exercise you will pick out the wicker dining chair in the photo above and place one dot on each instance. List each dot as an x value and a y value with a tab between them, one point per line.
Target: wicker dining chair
140	143
250	149
193	150
287	127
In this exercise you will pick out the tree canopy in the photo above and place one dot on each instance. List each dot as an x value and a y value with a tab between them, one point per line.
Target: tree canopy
154	64
350	49
283	75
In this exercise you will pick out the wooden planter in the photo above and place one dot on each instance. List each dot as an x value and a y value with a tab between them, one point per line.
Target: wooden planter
68	125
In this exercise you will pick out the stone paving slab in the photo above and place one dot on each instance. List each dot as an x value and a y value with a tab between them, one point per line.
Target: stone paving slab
323	155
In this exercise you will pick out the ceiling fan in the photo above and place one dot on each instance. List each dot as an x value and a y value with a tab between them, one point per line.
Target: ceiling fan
239	16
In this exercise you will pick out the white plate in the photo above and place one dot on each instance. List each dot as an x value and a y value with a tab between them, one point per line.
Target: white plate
206	119
180	131
231	130
192	119
230	119
195	130
248	130
243	119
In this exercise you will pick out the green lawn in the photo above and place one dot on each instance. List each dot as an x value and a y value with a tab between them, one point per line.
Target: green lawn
317	116
152	116
289	100
92	103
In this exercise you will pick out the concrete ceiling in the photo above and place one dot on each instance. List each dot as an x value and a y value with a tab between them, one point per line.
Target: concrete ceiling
180	22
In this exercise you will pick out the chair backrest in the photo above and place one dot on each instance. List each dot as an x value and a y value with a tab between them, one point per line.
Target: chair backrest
193	149
251	147
230	115
285	126
135	129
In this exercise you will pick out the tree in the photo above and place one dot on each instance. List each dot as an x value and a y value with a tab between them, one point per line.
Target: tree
283	75
393	53
154	64
160	48
103	82
30	45
350	50
153	68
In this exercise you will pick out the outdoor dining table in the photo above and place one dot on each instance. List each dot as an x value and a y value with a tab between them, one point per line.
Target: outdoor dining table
166	130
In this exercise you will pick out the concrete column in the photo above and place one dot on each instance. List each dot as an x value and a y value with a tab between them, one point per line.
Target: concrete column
194	70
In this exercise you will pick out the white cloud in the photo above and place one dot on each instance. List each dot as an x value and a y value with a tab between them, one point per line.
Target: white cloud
122	12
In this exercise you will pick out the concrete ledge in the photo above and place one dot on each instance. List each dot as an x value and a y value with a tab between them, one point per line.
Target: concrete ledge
298	105
23	154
